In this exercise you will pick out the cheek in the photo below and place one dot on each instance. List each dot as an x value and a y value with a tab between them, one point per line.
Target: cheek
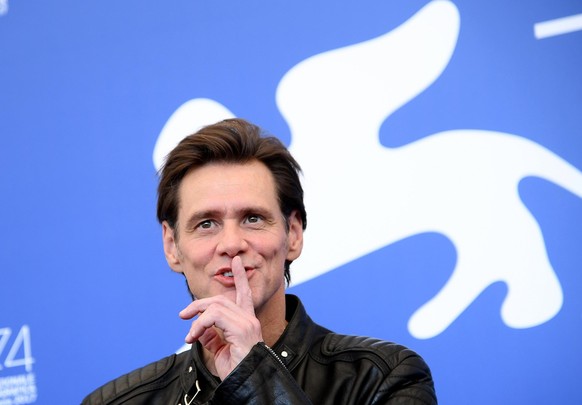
274	249
197	254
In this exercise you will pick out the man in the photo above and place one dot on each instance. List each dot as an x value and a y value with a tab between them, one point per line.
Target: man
230	204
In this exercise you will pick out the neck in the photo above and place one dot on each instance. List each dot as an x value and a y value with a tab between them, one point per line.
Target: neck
272	319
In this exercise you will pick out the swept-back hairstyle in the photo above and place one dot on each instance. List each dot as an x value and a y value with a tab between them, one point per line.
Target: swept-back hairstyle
231	141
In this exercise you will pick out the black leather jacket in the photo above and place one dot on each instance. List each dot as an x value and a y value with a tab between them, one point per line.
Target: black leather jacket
308	365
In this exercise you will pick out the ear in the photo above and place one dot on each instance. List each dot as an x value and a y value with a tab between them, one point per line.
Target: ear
295	236
171	251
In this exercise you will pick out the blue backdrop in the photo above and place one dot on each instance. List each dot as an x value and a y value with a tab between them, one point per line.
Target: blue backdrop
441	143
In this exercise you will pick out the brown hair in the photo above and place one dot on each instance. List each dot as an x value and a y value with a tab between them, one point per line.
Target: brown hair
231	141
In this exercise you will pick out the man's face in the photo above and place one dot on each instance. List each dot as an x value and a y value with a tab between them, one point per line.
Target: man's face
229	210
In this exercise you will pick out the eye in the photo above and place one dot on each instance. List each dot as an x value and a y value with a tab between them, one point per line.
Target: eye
254	219
206	224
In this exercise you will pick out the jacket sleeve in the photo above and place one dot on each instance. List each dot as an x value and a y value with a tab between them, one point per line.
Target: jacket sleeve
261	378
387	373
408	382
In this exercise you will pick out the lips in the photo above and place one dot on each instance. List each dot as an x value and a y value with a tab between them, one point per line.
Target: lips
225	275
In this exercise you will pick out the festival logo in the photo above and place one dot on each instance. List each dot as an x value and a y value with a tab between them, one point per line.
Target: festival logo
461	183
17	379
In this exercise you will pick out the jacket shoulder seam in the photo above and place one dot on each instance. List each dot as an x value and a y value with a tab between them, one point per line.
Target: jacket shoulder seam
131	381
386	355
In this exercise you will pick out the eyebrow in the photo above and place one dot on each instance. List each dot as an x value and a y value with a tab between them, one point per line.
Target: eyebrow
195	218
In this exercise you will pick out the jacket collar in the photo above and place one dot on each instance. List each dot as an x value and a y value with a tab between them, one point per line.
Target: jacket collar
299	334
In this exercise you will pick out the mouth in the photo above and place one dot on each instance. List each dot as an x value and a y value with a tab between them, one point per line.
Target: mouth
227	272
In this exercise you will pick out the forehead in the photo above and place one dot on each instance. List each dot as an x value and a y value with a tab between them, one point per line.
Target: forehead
228	185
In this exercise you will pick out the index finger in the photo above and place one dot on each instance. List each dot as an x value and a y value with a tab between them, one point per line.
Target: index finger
244	295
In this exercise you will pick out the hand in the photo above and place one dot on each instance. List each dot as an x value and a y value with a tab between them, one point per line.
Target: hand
227	329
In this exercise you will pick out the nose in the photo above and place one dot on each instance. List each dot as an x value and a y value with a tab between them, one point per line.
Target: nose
232	240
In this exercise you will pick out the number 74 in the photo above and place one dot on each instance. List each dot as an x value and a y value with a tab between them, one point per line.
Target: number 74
22	341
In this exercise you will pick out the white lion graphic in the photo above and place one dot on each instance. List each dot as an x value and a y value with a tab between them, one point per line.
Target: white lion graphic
462	183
